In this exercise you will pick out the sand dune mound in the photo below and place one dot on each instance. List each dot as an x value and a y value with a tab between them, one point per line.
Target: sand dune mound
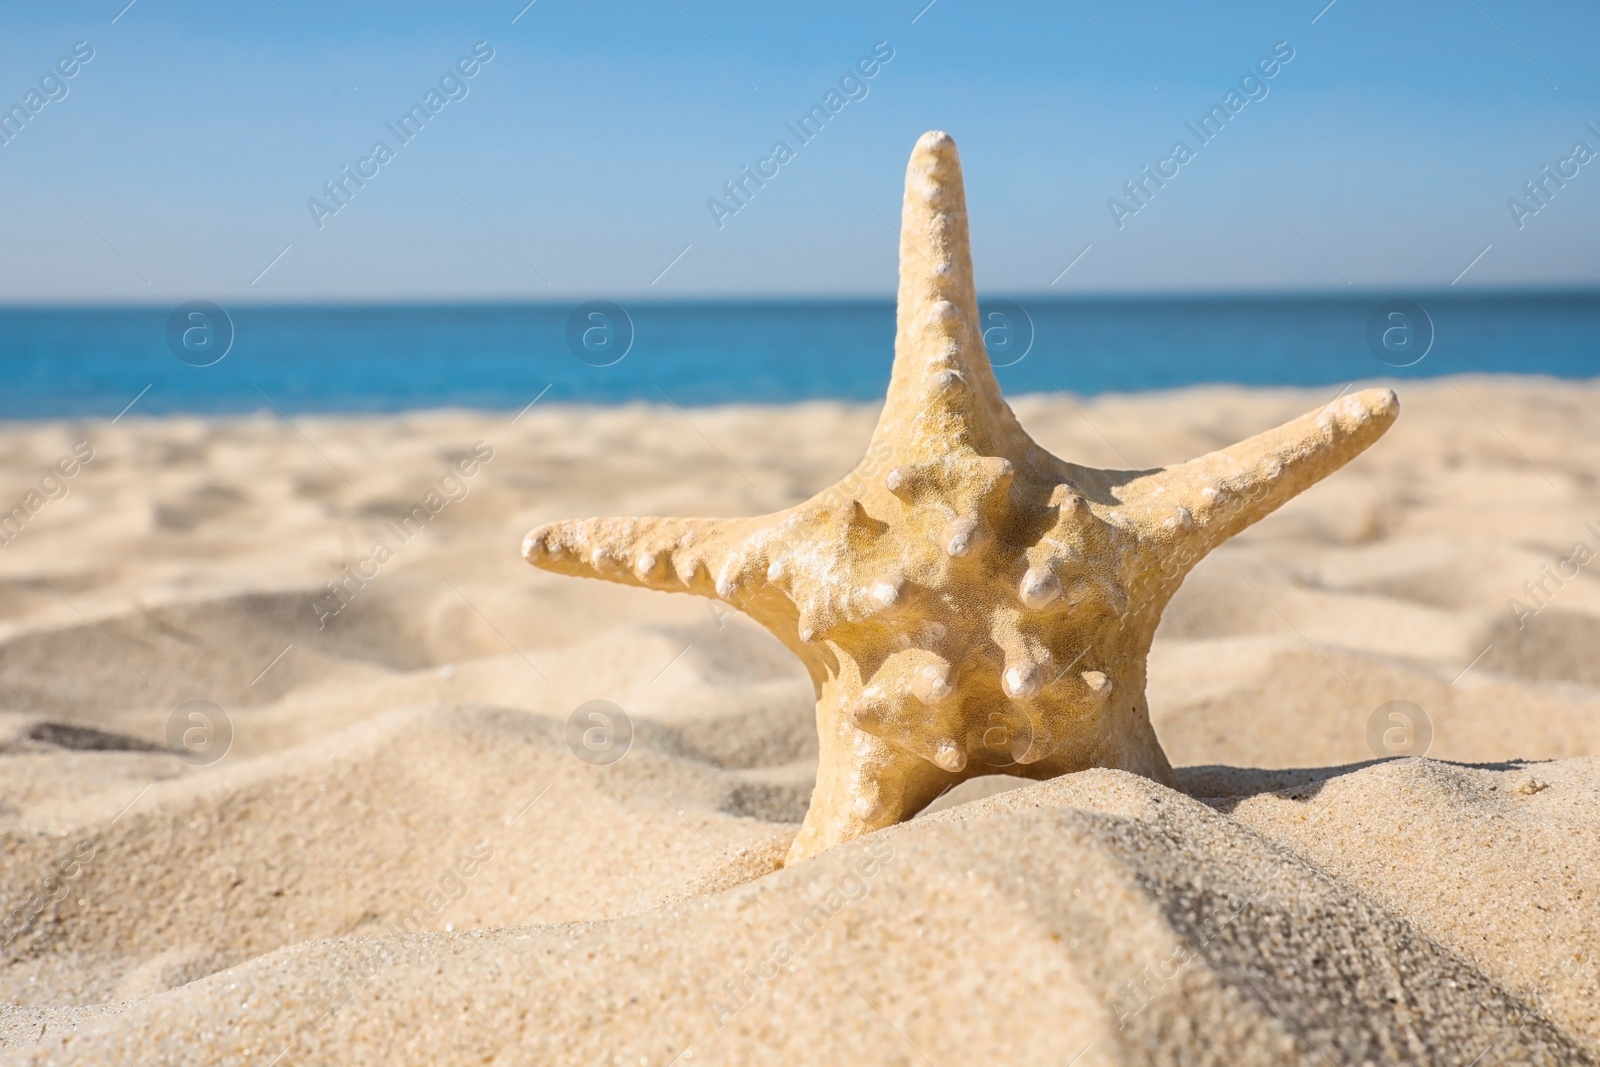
1100	914
387	825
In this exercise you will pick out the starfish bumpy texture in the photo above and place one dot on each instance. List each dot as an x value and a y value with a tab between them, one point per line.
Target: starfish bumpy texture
965	602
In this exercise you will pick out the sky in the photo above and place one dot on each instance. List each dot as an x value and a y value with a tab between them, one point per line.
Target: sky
583	157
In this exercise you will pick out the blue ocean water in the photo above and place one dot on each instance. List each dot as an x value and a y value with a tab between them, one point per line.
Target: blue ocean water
94	361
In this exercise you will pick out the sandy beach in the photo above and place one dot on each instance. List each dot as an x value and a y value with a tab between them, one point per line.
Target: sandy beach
381	848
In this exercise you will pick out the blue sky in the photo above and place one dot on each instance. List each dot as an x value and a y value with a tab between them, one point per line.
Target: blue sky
580	162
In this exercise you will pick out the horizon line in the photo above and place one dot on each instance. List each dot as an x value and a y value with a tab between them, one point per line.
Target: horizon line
1342	295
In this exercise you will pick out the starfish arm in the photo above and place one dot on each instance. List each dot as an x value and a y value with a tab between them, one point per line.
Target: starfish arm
942	388
1183	512
700	556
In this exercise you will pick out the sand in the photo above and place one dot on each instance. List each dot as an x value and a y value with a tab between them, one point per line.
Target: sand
399	859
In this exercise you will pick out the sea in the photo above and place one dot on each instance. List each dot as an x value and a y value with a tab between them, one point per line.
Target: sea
200	358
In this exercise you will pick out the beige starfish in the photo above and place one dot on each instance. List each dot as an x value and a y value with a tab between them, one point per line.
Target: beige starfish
965	602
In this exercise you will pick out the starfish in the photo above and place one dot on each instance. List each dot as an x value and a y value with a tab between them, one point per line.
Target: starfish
965	602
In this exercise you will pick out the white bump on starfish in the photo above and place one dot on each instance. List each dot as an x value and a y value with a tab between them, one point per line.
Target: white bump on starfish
645	565
866	712
885	592
1022	680
948	756
727	582
931	683
959	535
909	479
868	805
968	485
1353	415
540	545
851	513
1039	588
